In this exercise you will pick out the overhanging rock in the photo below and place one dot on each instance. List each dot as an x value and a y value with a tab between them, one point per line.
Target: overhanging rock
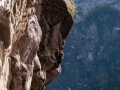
32	37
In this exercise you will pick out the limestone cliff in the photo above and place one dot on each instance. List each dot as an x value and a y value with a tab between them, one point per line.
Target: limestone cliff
32	38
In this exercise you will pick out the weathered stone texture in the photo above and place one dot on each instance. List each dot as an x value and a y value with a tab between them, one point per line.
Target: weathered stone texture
32	38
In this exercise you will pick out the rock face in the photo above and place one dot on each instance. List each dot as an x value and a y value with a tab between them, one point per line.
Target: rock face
32	38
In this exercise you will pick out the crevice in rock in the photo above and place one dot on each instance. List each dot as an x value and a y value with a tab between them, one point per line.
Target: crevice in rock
5	36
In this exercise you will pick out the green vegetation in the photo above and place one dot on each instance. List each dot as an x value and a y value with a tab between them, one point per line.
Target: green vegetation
71	7
102	16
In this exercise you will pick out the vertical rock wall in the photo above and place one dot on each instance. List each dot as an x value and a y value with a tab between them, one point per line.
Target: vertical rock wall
32	37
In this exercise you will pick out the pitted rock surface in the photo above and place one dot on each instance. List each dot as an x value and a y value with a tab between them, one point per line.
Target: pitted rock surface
32	38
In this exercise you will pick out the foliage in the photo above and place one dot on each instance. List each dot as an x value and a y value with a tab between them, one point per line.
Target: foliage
102	15
71	7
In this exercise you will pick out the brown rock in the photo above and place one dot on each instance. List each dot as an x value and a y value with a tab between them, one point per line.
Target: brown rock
32	38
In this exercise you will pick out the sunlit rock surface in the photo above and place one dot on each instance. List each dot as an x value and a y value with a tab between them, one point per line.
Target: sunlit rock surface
32	37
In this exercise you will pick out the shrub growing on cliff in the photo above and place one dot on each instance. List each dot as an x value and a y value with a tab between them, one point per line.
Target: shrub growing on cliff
71	6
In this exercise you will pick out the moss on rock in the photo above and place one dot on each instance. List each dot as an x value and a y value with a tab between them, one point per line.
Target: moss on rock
71	6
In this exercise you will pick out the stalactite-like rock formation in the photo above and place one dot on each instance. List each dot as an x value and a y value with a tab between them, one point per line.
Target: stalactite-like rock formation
32	38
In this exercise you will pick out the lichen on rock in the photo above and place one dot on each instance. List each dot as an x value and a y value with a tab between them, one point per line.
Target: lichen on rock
71	6
33	34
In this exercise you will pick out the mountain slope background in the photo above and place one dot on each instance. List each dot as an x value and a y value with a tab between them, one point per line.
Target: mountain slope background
92	50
